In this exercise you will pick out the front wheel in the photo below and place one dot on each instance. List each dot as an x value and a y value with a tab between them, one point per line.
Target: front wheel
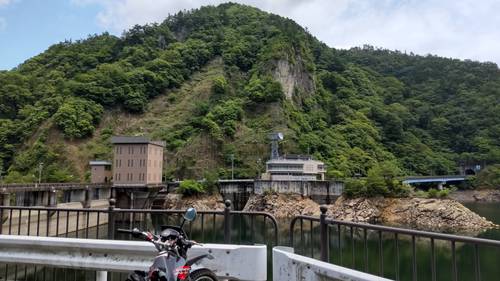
202	275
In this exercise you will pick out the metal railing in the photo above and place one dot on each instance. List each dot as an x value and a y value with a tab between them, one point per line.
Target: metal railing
18	187
338	242
218	226
237	226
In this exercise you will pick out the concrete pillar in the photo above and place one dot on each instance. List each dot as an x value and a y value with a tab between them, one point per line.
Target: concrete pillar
104	193
52	200
19	198
4	199
77	195
87	197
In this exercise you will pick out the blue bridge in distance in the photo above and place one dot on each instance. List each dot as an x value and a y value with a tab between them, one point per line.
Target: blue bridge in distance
440	180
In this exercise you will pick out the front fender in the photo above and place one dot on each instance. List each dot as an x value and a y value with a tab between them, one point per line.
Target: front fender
194	260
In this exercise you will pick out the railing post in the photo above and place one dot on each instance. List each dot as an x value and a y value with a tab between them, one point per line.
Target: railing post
227	222
87	198
52	197
101	276
323	234
111	219
4	201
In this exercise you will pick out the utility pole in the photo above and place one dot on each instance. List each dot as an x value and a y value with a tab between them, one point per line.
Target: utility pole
40	167
232	166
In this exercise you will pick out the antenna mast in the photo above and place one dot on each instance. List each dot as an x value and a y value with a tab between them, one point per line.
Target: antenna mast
275	138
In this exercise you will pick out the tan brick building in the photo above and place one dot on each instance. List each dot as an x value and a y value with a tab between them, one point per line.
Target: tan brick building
137	161
100	171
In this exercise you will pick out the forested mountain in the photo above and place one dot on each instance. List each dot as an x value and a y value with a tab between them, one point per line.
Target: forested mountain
213	82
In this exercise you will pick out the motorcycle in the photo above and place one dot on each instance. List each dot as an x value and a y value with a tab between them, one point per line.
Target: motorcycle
172	264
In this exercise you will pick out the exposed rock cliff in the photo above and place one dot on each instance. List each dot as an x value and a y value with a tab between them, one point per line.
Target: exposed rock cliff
440	215
203	202
282	205
294	77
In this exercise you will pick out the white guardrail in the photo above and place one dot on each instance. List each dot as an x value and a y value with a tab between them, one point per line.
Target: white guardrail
230	261
288	266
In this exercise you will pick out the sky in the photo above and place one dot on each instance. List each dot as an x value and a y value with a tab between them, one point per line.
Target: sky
465	29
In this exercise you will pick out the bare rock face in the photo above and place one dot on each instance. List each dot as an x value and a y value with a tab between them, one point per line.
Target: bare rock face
439	215
175	201
282	205
293	76
366	210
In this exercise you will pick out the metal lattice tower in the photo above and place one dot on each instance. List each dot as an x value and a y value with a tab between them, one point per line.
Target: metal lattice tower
275	138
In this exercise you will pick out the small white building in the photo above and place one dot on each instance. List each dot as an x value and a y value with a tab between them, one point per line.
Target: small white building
294	168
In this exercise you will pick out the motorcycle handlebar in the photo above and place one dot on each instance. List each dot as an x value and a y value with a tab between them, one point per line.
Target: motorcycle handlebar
121	230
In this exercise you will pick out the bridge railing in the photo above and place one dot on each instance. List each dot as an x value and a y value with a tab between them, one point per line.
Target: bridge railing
396	253
217	226
211	226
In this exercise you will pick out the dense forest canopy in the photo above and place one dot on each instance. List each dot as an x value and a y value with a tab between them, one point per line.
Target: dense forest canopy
351	108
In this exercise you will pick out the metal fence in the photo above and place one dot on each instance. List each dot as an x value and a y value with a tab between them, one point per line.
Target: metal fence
397	253
224	226
210	226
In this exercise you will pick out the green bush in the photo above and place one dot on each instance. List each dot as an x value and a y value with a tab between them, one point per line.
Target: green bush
432	193
210	185
355	188
190	187
77	117
219	85
380	181
264	89
443	193
489	177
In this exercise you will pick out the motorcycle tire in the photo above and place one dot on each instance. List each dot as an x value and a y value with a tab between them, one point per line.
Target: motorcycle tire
137	276
203	275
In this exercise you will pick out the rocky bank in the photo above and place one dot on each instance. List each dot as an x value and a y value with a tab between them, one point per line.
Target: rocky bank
481	195
200	203
282	205
438	215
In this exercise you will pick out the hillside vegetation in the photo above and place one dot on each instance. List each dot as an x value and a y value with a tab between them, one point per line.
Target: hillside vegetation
213	82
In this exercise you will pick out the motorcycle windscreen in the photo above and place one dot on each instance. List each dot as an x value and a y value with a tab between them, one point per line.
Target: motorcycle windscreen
166	264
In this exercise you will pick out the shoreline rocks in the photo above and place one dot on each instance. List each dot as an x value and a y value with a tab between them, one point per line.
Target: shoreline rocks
438	215
175	201
481	195
282	205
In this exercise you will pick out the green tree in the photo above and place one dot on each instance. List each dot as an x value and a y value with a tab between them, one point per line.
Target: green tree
77	117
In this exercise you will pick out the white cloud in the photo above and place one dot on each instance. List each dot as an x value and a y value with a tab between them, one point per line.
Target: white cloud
466	29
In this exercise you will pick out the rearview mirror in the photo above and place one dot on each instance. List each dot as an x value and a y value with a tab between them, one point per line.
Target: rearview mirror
190	214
